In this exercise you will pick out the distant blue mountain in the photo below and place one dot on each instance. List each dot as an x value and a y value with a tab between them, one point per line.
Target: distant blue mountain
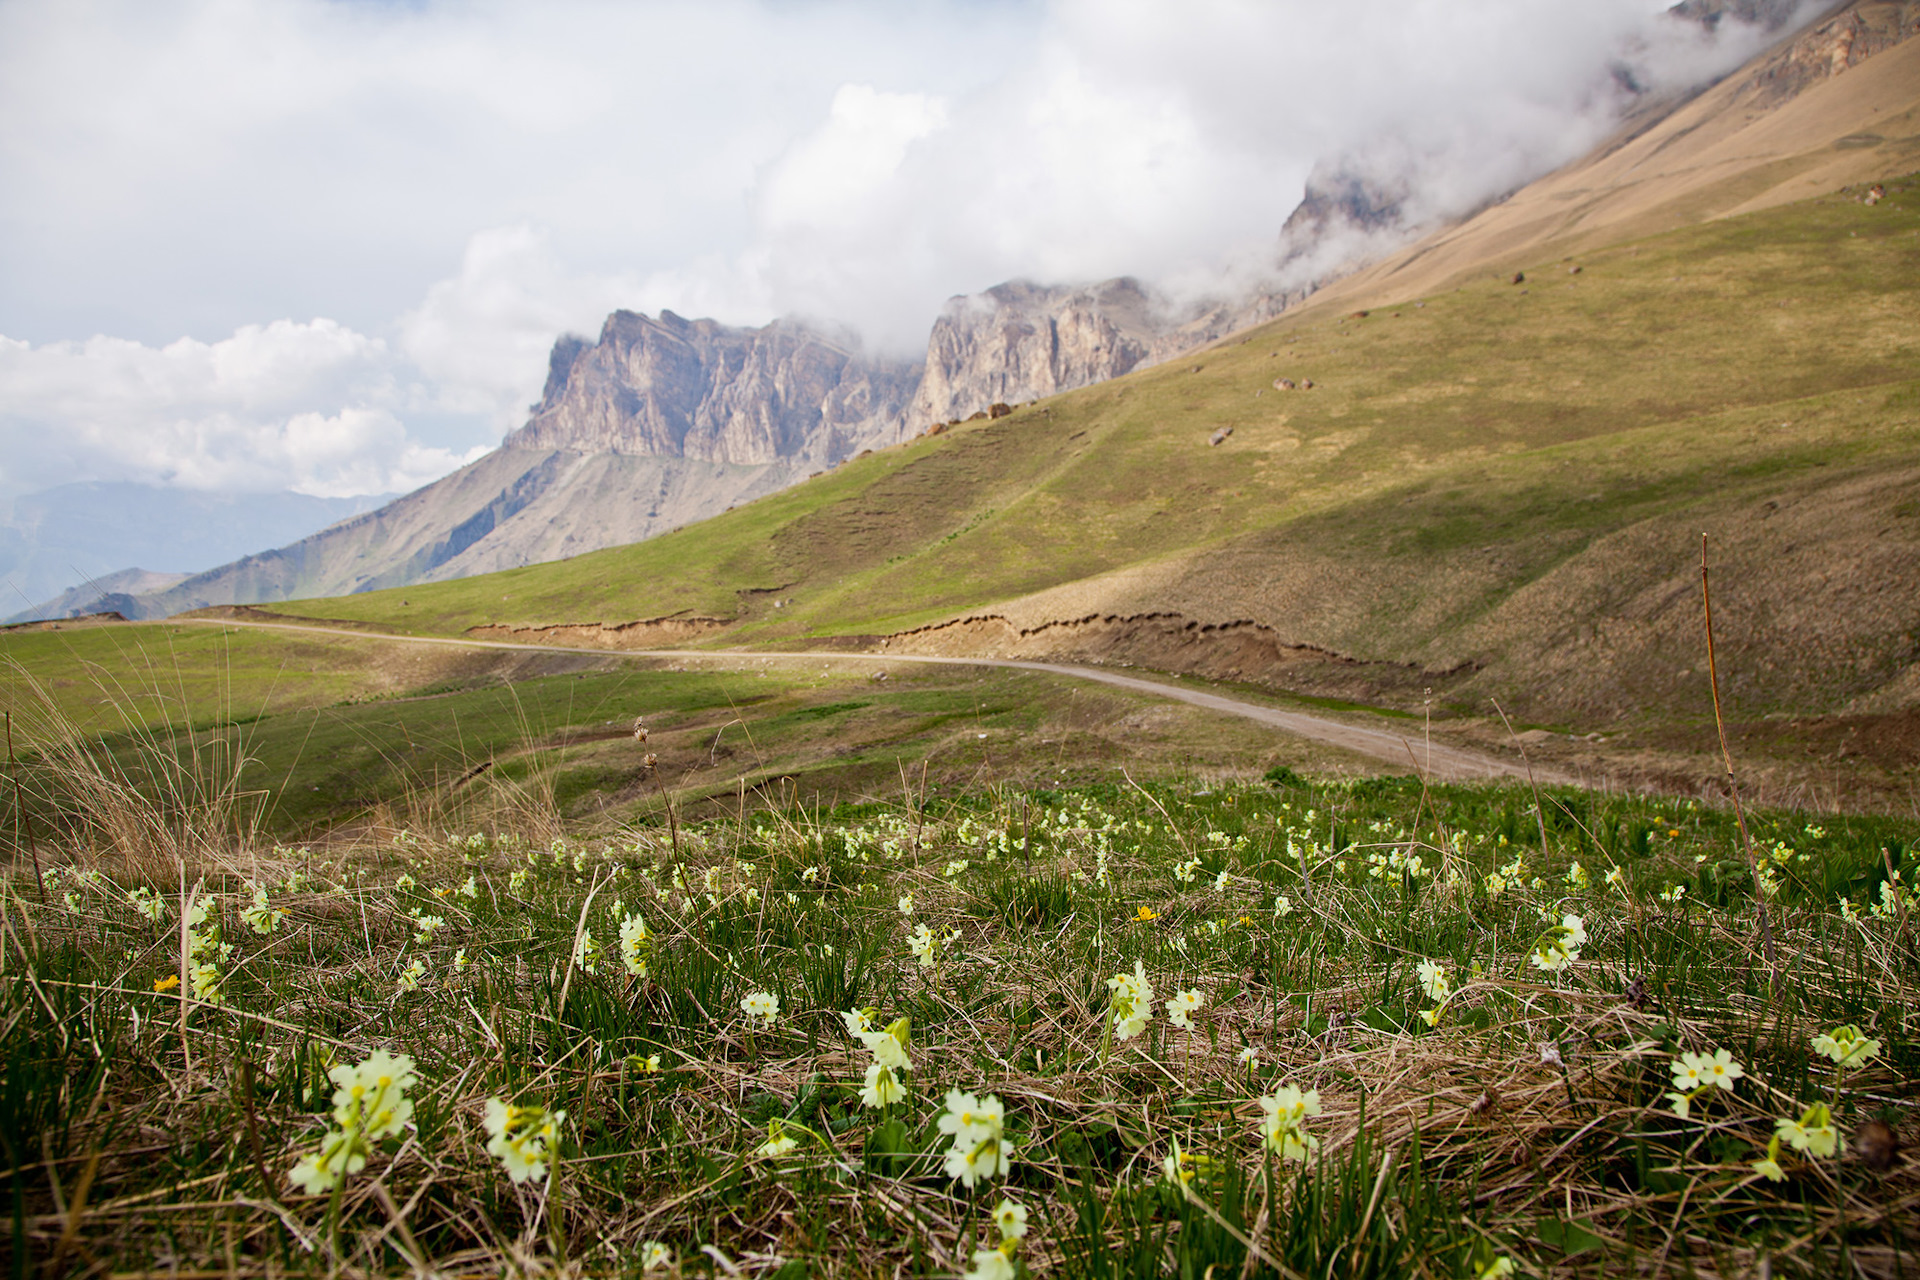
63	537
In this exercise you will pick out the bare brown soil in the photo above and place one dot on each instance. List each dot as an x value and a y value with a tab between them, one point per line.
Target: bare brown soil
644	633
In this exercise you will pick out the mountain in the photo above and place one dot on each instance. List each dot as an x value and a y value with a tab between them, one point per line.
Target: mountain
666	387
659	423
1833	105
662	421
1496	487
60	547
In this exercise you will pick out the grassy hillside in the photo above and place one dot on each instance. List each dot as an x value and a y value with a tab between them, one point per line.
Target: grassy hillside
1498	490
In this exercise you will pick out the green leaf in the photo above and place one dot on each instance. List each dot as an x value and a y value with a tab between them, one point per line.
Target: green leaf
1569	1238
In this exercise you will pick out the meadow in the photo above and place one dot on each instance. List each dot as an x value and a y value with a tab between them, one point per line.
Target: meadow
1344	1027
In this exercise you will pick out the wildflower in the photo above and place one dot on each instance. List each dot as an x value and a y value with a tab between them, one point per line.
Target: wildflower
411	975
1550	956
518	880
206	983
1011	1218
1496	884
956	867
149	904
522	1138
858	1020
1720	1069
883	1088
1250	1057
320	1171
471	889
922	945
889	1047
1616	879
1146	913
810	875
906	904
1433	978
1185	871
778	1142
1681	1104
655	1256
1283	1125
635	942
979	1148
1182	1004
1846	1046
1282	906
1813	1132
167	983
1686	1071
460	960
1497	1269
1847	910
760	1006
1575	930
989	1264
586	951
1769	1166
1132	1001
404	883
1673	893
1577	878
1221	881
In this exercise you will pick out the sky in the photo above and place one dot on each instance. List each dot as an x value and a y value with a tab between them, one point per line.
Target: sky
326	245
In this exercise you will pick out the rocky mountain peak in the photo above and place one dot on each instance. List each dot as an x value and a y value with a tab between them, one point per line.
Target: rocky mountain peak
671	387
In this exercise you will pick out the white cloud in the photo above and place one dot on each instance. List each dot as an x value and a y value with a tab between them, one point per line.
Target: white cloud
312	407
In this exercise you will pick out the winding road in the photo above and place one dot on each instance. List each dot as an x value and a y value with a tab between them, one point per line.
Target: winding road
1432	759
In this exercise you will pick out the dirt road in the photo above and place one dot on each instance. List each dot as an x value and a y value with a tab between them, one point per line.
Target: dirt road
1397	748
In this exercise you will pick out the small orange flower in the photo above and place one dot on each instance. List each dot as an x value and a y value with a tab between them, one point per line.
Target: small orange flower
167	983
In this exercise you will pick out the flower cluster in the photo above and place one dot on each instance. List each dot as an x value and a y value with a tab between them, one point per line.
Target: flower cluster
980	1149
522	1138
1132	1001
1010	1220
889	1050
369	1103
635	944
261	917
761	1007
1560	945
1182	1004
1695	1073
1284	1118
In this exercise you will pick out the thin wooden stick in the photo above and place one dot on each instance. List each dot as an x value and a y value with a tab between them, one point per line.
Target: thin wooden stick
1733	789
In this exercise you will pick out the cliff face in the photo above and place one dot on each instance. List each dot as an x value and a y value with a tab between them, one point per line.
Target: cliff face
1843	41
698	389
1022	341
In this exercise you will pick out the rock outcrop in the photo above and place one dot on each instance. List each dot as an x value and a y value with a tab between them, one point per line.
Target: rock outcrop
1022	341
670	387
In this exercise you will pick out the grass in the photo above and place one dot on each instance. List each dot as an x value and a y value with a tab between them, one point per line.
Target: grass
307	735
145	1128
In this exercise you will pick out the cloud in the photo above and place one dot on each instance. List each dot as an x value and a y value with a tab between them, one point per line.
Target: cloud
313	407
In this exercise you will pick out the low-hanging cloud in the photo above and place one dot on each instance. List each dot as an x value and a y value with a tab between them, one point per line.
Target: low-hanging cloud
457	184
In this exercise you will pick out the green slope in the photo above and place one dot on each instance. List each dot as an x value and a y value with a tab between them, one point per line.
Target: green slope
1471	472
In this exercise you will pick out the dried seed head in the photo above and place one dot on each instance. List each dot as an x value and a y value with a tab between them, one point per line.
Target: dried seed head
1487	1103
1876	1145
